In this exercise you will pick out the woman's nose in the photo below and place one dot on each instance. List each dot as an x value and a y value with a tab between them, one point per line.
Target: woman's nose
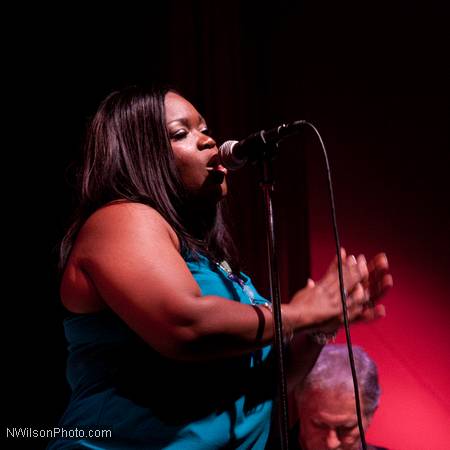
205	142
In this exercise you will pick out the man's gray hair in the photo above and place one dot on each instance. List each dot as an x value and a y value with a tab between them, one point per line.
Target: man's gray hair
332	372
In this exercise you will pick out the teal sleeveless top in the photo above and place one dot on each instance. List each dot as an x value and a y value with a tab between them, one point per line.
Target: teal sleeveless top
147	401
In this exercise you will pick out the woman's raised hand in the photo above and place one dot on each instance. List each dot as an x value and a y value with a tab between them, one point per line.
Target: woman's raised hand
318	307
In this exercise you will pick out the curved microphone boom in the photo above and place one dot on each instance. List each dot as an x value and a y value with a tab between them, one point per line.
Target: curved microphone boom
235	154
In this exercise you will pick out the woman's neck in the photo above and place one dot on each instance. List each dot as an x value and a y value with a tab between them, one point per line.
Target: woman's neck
200	219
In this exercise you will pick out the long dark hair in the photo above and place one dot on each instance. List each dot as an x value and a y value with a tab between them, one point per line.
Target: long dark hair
128	156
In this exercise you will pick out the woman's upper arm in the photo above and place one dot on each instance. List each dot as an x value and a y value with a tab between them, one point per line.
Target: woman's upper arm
130	254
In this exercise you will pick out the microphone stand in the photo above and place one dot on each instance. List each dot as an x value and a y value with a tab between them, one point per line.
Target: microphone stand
267	186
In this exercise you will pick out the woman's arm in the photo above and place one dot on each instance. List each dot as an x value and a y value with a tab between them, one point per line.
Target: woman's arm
131	257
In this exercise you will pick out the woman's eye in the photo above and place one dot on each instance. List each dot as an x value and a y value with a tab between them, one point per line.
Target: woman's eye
177	135
206	131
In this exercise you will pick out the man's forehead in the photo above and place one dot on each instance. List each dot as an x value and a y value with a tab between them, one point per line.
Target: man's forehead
337	393
343	420
318	402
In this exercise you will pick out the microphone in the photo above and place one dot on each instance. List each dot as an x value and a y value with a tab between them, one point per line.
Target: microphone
235	154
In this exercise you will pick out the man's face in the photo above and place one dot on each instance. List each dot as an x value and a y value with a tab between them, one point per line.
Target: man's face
328	421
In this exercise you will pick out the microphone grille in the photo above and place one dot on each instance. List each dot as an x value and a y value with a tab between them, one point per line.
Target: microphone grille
226	147
227	158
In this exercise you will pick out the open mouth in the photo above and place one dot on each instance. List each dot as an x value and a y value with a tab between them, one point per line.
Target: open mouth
217	168
217	173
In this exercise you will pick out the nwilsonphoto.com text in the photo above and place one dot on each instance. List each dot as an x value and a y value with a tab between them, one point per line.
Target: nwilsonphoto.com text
57	432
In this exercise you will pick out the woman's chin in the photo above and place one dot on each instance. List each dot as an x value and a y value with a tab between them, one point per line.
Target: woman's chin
215	188
210	195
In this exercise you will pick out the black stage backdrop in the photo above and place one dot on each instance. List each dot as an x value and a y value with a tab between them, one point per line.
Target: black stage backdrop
247	66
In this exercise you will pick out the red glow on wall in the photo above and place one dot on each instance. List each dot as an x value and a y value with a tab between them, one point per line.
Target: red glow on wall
411	345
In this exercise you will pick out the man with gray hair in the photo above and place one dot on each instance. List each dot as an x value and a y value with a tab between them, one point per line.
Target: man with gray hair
325	401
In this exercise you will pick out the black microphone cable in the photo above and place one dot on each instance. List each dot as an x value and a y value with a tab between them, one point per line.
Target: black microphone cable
341	286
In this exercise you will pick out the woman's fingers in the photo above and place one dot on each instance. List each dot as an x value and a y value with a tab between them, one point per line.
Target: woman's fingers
362	265
357	296
355	303
355	272
320	302
364	283
380	280
372	313
378	267
333	266
350	273
380	288
379	261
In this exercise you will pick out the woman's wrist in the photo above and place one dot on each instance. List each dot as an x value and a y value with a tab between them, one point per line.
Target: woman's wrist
291	326
288	324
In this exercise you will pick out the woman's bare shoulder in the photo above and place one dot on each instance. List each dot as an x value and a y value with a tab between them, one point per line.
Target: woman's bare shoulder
124	220
116	237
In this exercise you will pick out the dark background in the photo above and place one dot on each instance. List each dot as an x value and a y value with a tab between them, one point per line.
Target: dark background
373	77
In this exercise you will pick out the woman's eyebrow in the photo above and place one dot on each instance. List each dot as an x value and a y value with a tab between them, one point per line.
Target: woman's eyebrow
182	120
185	121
